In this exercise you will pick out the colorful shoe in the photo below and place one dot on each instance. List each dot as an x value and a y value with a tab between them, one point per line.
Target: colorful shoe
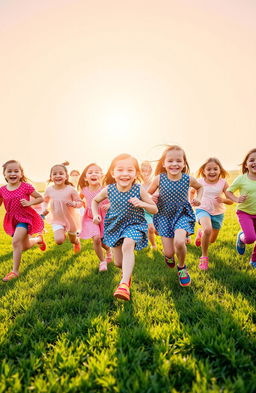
170	264
122	292
42	244
103	266
10	276
109	256
184	277
240	246
203	264
198	237
253	264
77	247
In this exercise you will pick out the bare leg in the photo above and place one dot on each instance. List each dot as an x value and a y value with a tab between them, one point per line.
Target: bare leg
214	235
151	235
59	236
180	246
21	242
168	247
118	256
128	259
97	245
207	231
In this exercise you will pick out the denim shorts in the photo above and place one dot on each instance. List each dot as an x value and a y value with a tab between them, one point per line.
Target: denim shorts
215	220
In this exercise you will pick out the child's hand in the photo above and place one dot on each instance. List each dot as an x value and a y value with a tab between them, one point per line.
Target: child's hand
96	219
136	202
71	204
219	199
242	198
45	213
106	207
195	202
25	203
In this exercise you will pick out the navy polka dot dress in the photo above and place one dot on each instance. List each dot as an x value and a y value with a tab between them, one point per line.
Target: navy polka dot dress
174	209
123	219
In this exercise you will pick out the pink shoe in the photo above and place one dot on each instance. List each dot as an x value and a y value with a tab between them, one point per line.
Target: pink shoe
77	247
109	256
203	264
10	276
103	266
198	237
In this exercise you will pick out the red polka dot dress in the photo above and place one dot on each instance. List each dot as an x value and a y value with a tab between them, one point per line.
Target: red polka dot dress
16	213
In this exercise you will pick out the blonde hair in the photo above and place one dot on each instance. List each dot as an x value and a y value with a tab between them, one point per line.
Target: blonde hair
5	165
223	172
82	182
108	178
160	165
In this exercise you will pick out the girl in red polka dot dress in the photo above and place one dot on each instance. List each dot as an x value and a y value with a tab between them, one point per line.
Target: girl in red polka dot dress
20	220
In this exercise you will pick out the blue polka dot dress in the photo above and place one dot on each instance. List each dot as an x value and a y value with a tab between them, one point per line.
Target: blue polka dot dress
174	209
123	219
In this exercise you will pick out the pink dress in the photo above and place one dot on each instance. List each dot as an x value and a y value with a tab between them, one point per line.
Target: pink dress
89	229
211	191
60	213
16	213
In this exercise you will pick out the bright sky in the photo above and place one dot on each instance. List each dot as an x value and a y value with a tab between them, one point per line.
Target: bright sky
86	80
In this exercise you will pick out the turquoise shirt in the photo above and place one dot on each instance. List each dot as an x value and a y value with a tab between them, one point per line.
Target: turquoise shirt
245	186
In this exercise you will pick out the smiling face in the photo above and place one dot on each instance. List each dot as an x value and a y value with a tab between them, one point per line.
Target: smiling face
93	175
251	164
13	173
58	175
174	163
212	172
124	173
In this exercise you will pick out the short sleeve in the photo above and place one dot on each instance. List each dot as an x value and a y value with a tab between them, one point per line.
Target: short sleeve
236	185
29	188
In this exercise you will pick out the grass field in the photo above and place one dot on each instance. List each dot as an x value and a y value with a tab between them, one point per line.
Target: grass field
62	330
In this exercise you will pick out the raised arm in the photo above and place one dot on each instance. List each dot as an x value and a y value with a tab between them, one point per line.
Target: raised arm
103	194
226	200
199	191
154	185
146	202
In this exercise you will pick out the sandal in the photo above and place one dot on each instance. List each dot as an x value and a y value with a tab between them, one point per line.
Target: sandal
168	263
122	292
77	247
42	244
103	267
203	264
10	276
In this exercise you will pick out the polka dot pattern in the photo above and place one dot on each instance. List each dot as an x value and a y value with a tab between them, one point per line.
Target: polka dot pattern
174	209
123	219
16	213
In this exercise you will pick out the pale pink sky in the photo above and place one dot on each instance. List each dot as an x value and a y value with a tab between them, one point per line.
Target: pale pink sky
84	81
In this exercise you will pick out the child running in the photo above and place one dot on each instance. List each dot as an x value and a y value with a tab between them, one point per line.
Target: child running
90	185
175	218
64	200
146	174
125	227
210	214
20	220
246	210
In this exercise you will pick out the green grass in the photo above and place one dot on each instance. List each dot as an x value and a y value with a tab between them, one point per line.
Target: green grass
62	330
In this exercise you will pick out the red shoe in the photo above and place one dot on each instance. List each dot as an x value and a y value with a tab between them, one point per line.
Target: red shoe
42	244
122	292
77	247
10	276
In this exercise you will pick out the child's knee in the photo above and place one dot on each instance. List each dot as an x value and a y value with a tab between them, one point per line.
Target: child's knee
207	231
128	244
17	243
179	244
97	240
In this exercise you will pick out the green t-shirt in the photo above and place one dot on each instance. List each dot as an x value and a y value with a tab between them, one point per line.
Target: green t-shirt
247	187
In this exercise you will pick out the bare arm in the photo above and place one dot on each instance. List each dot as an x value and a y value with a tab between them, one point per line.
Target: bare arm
227	201
76	201
199	188
240	199
37	199
103	194
154	185
146	202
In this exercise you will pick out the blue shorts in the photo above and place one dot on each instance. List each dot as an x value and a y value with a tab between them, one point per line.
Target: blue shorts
215	220
21	225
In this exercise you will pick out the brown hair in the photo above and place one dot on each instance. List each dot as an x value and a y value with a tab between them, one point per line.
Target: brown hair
82	182
223	172
108	178
5	165
160	165
74	170
244	169
63	165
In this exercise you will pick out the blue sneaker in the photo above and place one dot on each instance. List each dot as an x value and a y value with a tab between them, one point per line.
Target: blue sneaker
240	246
253	264
184	277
